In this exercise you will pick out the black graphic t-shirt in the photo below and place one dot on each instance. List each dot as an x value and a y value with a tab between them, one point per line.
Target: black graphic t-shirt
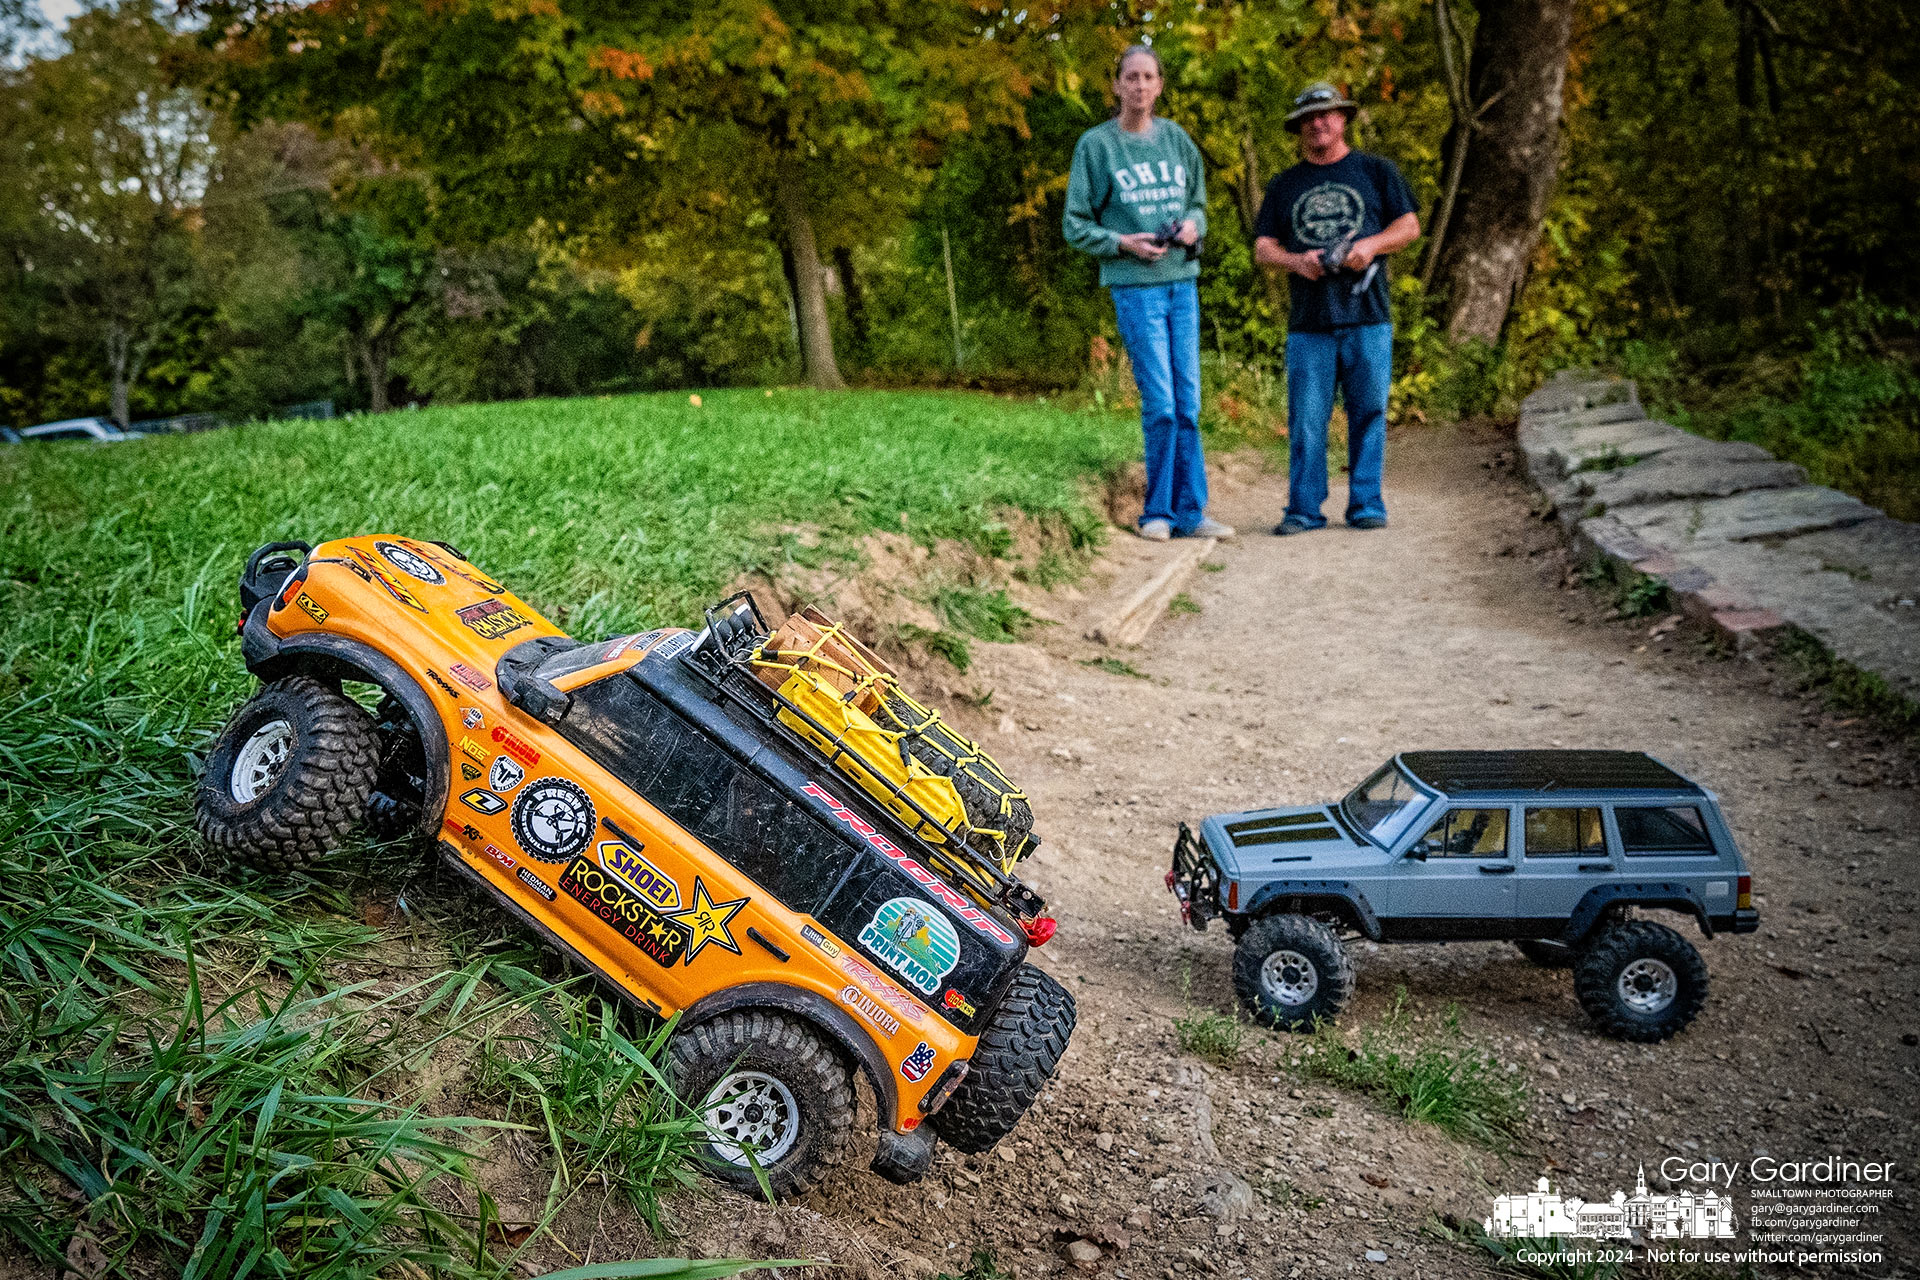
1311	206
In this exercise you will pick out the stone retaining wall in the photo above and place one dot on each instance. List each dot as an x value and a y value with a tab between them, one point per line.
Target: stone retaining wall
1743	542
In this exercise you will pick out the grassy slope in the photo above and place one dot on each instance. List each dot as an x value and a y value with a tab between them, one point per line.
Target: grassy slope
118	661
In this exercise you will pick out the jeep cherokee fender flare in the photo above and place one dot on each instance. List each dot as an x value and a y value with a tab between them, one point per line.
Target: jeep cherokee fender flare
1662	894
339	658
1340	897
830	1018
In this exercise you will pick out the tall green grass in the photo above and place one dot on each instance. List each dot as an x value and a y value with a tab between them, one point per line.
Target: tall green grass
192	1076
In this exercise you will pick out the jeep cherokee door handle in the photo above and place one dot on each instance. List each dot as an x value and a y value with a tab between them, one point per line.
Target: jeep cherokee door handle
1596	866
1496	869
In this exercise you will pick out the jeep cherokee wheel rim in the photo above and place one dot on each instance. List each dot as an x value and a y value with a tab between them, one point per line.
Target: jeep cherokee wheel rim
1648	985
260	761
751	1111
1289	977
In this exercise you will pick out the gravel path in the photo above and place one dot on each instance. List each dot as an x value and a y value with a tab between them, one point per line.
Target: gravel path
1311	659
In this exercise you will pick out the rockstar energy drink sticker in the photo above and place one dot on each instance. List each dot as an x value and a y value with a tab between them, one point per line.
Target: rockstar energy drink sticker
652	934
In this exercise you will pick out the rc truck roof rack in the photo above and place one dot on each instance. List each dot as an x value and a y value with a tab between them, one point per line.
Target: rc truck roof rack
736	630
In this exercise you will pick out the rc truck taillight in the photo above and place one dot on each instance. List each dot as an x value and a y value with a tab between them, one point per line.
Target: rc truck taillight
937	1096
1233	896
1744	891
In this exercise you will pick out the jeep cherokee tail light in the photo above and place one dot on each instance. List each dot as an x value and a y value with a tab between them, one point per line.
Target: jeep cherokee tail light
938	1095
1743	901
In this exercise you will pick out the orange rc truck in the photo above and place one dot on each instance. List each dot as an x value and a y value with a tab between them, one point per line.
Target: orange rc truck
754	829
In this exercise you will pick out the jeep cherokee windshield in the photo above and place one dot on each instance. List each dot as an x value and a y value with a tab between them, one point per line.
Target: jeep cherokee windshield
1385	804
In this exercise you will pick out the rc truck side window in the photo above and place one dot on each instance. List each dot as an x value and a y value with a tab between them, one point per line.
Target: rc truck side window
1466	833
728	807
1555	833
1662	832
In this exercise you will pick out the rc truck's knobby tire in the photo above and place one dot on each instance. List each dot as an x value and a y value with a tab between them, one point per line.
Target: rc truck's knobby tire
1291	970
1547	953
1621	975
1018	1051
744	1051
305	799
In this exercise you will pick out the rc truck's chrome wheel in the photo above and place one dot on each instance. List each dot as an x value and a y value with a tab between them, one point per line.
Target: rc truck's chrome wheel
260	761
289	776
1639	980
766	1083
1290	971
1289	978
1648	986
751	1111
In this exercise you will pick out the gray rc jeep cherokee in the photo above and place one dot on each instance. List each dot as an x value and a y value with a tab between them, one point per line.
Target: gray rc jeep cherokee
1554	850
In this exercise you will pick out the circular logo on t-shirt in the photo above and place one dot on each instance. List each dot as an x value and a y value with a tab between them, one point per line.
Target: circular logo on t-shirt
1327	214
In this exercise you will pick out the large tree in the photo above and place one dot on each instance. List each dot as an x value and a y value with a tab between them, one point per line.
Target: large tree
1510	131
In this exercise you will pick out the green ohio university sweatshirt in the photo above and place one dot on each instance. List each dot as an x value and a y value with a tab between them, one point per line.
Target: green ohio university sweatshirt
1126	182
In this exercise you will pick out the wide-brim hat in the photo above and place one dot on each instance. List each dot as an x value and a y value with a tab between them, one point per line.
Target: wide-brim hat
1315	98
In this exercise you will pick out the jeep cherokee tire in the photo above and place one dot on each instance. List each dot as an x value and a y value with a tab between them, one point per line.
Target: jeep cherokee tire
1640	981
1018	1051
1546	953
1289	970
289	776
767	1083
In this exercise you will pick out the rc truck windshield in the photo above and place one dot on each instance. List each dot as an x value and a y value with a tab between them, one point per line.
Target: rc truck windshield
1384	804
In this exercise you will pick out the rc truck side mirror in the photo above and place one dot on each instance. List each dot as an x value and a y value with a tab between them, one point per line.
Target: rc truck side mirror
1417	853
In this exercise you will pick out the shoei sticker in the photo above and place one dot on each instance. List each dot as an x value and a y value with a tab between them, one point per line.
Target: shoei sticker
535	883
918	1063
395	588
652	934
913	940
958	1003
482	801
467	676
639	875
473	718
505	775
926	879
444	686
869	1008
411	562
820	940
311	608
553	819
469	747
469	772
491	619
516	746
707	920
881	988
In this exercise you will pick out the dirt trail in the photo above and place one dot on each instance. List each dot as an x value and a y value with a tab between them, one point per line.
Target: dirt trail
1311	660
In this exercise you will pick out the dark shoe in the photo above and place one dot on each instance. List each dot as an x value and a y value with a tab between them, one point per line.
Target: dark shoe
1291	525
1367	522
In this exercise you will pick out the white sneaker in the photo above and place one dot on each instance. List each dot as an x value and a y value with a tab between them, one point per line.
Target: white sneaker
1156	530
1211	528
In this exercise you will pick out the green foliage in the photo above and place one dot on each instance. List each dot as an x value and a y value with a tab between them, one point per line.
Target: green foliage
1847	688
1439	1078
987	613
1217	1037
1116	667
1183	603
1552	1258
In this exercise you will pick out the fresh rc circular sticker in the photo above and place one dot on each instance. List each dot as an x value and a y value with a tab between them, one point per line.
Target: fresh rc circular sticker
553	819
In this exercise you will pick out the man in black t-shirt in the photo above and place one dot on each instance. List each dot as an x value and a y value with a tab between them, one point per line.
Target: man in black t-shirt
1339	329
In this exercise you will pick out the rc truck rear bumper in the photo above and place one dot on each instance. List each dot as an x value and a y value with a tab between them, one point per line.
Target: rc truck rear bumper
1194	879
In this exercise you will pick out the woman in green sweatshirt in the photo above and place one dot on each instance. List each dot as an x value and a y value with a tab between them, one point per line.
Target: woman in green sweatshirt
1134	177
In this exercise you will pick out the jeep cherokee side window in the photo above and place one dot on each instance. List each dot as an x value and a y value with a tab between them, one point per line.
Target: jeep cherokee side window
1664	832
1465	833
1559	833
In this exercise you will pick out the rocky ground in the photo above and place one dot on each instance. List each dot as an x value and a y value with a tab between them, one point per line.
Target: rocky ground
1311	659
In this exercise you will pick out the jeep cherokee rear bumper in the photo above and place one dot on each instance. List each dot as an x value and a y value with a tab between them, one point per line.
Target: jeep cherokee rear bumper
1194	879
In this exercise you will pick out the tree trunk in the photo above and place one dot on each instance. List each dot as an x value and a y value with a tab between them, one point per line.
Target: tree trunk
119	377
376	354
810	292
856	301
1518	73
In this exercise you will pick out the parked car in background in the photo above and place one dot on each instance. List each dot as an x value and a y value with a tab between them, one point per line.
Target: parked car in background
79	429
9	436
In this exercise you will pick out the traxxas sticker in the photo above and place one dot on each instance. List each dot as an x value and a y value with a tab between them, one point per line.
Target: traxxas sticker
411	562
491	619
505	775
553	819
918	1063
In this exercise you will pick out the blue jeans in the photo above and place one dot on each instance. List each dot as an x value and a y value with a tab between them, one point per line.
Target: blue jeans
1160	325
1359	360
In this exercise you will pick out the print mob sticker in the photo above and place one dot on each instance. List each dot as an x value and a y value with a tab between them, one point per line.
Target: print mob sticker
913	940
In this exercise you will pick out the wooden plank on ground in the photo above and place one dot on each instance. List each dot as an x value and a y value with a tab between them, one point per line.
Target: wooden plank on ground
1128	625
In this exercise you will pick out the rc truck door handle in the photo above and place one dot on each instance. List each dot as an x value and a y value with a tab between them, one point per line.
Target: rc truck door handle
1596	866
1496	869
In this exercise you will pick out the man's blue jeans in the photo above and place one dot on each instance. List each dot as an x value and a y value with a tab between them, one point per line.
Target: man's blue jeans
1160	325
1359	360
